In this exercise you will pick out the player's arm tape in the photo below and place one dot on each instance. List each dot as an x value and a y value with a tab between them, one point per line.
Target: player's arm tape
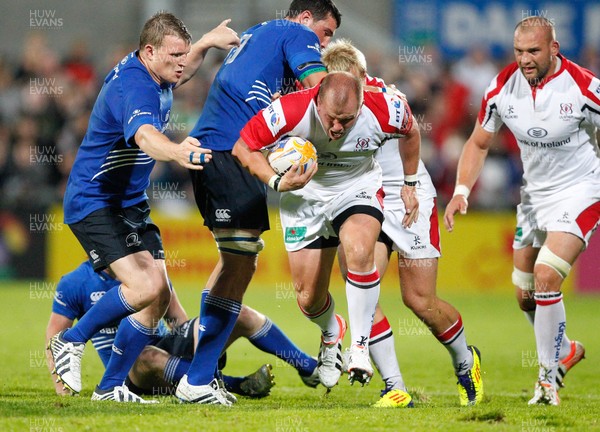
461	190
274	182
410	179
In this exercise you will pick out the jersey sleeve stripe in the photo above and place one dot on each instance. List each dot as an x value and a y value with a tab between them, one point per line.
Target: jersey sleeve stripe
122	165
311	71
262	87
262	99
589	108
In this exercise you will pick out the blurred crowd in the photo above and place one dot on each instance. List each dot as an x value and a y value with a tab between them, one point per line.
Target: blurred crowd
46	100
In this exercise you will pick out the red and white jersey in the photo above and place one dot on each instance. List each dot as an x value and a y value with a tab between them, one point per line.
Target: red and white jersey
554	124
382	117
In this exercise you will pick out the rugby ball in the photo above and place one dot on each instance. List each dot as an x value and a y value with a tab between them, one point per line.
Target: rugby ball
292	151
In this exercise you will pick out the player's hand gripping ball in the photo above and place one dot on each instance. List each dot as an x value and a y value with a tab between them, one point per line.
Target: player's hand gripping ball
292	150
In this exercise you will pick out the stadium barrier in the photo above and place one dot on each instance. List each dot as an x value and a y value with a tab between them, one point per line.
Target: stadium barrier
476	257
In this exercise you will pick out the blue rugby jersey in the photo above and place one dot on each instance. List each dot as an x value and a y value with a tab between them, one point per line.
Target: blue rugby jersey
76	293
270	58
110	170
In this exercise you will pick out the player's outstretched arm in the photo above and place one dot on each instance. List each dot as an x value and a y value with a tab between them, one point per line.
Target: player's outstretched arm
188	153
410	152
221	37
469	166
256	163
56	324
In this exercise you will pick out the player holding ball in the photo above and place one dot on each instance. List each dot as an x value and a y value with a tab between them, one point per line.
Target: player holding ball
338	204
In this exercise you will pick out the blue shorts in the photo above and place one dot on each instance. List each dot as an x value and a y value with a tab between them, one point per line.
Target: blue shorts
228	196
112	233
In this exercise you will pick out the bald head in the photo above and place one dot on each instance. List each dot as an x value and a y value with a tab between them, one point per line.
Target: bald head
537	24
338	103
340	88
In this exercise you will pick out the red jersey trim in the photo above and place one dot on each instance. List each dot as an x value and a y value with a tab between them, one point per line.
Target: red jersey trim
378	105
588	218
257	134
434	228
582	77
374	81
501	79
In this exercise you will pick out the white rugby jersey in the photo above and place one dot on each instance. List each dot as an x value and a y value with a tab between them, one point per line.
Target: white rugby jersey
382	117
554	124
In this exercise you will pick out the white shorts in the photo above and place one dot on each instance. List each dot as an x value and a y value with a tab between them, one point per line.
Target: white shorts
306	215
575	210
422	239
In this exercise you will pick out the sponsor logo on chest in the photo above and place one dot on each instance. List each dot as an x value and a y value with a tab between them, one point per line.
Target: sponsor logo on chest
362	144
566	111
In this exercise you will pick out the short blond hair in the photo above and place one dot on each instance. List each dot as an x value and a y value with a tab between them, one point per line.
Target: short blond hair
341	56
163	24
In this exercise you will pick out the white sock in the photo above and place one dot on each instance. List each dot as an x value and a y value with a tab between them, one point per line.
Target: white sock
383	353
550	324
326	320
362	293
565	347
455	341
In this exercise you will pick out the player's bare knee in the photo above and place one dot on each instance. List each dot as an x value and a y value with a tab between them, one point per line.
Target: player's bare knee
157	289
360	259
420	305
546	279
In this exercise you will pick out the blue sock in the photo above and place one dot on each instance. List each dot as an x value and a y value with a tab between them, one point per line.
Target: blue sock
203	297
272	340
112	307
217	318
129	342
175	368
232	384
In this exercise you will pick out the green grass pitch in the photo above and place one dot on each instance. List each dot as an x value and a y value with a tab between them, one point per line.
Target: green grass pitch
493	323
